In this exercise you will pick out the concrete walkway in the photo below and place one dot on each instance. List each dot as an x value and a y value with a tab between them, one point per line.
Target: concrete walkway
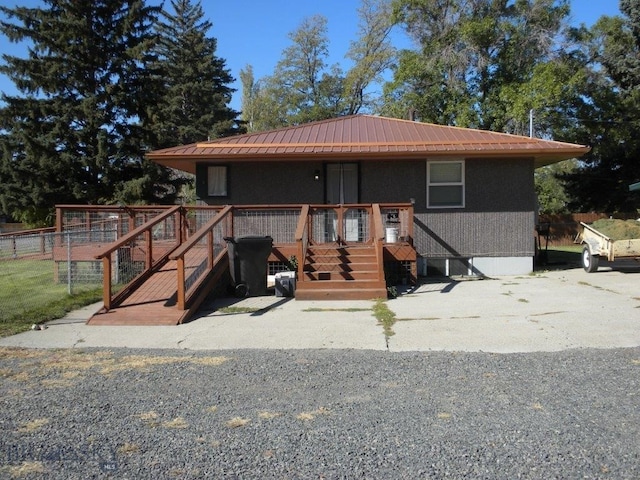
548	311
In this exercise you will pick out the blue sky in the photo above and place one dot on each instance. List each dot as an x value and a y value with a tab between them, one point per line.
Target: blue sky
256	33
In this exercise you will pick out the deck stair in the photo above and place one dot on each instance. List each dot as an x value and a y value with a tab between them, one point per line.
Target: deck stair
341	273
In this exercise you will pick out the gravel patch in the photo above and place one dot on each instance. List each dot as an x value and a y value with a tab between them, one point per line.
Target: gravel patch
319	414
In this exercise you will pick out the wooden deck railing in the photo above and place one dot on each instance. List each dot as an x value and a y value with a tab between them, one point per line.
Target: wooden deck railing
148	244
197	257
400	216
302	240
378	238
193	236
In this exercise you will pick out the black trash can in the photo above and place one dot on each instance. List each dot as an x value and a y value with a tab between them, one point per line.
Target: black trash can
248	259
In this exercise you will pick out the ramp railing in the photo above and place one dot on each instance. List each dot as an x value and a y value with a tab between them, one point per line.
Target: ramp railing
130	260
197	257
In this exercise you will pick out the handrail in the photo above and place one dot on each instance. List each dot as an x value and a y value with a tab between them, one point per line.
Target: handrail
35	231
134	233
302	240
179	255
195	238
378	229
105	255
378	239
302	222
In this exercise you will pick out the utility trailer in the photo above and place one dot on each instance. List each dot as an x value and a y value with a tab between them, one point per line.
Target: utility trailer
596	245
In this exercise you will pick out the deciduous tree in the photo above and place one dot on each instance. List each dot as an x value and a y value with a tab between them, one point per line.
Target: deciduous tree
610	116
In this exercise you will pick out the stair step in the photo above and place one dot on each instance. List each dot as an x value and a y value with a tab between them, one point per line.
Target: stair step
341	273
339	284
327	275
347	294
341	259
340	267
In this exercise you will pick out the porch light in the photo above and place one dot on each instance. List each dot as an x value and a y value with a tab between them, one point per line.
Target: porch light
316	175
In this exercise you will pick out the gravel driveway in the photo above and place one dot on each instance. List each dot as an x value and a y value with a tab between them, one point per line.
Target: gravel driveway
319	414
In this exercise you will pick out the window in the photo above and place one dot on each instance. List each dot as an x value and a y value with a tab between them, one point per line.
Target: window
217	181
445	184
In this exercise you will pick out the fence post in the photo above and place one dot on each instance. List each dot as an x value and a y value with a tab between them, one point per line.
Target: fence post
69	262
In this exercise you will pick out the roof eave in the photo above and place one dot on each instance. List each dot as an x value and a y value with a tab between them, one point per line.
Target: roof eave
541	157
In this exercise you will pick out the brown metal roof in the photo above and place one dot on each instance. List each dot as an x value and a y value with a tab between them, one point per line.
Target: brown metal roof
368	138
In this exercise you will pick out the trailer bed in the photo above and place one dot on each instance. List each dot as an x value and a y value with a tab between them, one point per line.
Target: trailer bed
597	245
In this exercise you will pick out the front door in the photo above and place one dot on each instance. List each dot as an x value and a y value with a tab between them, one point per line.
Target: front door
342	187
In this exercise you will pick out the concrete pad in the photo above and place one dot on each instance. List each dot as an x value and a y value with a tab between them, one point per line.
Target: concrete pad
547	311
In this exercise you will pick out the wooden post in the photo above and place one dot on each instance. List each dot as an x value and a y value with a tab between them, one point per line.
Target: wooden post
59	224
210	254
410	224
181	289
340	225
106	281
149	258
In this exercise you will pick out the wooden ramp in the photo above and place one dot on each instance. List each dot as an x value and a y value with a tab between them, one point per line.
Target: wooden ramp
153	303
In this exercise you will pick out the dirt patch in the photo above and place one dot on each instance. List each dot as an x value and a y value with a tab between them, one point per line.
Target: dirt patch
618	229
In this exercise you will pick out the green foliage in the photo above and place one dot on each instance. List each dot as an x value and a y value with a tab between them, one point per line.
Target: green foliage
78	128
385	317
550	190
194	95
478	64
305	88
609	116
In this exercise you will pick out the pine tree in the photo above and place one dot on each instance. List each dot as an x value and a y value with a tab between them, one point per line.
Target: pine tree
75	134
196	91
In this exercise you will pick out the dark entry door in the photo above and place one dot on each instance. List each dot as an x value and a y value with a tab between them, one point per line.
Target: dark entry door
342	187
342	183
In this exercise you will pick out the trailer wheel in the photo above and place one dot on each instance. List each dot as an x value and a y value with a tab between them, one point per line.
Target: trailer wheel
589	262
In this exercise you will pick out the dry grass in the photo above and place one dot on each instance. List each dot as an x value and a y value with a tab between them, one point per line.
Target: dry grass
618	229
237	422
128	449
306	416
24	469
33	425
178	422
144	362
444	415
269	415
62	368
149	418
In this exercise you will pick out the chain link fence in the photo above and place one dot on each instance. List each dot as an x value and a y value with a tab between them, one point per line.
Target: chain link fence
37	269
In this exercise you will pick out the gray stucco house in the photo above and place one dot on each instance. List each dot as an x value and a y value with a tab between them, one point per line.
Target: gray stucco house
471	191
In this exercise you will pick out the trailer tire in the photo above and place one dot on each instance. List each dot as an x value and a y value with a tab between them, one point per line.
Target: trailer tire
589	262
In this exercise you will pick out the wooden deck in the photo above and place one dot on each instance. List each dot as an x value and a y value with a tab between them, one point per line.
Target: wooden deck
151	304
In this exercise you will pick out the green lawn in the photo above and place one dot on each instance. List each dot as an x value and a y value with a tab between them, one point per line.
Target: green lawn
28	295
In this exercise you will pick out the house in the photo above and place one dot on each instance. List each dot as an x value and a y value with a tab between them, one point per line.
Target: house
471	191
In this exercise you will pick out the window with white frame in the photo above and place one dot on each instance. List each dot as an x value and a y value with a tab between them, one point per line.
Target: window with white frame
445	184
217	181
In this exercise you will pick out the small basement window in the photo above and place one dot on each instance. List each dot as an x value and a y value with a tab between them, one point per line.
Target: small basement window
445	184
217	181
